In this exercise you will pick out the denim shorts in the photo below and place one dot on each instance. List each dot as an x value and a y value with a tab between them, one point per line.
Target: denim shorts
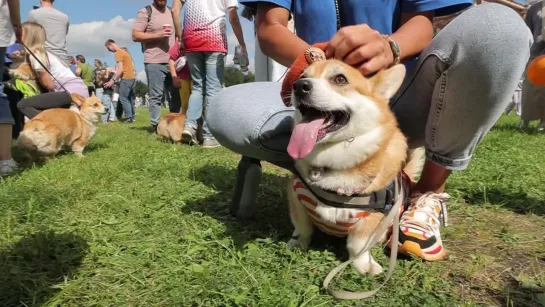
5	111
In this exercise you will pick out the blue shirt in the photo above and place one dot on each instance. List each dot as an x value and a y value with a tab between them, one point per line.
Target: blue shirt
316	20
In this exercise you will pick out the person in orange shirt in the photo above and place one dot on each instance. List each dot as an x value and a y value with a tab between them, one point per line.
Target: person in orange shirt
125	72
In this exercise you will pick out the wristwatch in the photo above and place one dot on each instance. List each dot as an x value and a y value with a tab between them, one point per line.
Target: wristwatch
395	49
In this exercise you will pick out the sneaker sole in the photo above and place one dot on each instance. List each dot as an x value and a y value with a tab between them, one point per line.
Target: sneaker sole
433	253
214	146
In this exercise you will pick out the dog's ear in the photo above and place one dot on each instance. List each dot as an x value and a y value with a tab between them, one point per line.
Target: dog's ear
78	99
387	82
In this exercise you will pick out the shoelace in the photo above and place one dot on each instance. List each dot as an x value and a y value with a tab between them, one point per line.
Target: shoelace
425	204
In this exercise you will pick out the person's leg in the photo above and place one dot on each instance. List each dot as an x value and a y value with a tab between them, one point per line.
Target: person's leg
100	94
196	63
133	98
215	69
461	85
125	88
174	103
156	81
107	102
32	106
7	165
250	119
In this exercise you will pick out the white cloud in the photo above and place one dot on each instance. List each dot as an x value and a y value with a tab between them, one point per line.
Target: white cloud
141	76
88	38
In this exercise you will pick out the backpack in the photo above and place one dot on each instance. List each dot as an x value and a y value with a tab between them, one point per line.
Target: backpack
149	11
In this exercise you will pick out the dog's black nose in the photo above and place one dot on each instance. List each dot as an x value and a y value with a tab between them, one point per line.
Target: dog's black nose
302	87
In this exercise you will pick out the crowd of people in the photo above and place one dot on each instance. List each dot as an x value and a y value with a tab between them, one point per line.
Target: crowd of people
459	83
169	53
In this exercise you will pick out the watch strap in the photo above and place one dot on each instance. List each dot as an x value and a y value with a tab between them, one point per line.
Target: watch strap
395	49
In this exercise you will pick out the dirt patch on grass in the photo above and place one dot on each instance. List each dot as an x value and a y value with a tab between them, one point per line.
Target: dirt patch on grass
497	257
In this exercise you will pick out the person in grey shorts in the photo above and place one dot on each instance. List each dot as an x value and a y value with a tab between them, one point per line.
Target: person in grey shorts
453	93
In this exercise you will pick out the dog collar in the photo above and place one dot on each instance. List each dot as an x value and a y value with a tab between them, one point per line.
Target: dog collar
381	200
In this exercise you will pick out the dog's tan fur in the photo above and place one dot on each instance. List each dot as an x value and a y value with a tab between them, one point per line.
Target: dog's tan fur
170	127
362	157
20	69
51	130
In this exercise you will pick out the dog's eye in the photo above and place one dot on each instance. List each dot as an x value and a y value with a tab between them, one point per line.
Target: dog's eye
95	105
340	80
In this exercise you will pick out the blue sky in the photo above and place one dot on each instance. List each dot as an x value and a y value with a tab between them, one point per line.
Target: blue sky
92	22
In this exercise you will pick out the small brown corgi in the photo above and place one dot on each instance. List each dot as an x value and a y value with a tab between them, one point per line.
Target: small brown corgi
20	69
51	130
170	127
347	146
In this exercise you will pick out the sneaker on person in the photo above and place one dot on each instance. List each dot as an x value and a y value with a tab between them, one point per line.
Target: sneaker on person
524	124
7	167
210	142
541	126
129	121
189	135
419	227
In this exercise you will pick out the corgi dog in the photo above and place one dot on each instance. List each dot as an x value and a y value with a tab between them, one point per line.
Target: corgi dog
170	127
20	70
347	143
51	130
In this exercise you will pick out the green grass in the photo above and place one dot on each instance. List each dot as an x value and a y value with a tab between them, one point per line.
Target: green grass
138	222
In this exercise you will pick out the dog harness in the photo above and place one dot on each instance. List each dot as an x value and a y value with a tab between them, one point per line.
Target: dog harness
336	214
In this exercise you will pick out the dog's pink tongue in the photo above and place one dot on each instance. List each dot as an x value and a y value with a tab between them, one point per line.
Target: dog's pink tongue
304	137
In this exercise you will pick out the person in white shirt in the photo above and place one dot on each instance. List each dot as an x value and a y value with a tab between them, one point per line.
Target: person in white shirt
204	40
10	29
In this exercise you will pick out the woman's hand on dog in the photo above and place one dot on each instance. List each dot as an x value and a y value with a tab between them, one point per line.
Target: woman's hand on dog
361	47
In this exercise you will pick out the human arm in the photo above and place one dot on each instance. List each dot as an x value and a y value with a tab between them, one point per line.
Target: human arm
43	77
46	81
139	33
14	7
175	80
177	18
15	12
232	12
117	75
275	39
366	49
78	71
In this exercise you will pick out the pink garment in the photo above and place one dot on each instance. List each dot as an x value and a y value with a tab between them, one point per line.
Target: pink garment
155	52
175	54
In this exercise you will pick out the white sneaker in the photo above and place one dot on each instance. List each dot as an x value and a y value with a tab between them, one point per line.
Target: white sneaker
189	135
541	126
7	167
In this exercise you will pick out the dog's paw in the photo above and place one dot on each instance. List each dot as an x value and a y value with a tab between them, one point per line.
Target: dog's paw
298	244
364	266
348	192
79	154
